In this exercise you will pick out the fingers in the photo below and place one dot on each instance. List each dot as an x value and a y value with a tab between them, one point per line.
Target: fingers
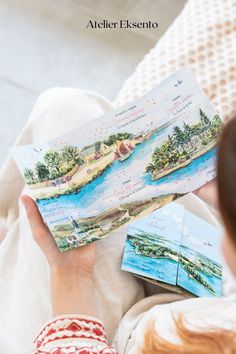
38	228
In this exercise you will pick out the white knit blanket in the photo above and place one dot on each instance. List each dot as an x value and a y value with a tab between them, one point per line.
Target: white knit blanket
203	37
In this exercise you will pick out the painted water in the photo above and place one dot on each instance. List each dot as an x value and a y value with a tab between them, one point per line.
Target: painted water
162	269
104	192
168	271
195	287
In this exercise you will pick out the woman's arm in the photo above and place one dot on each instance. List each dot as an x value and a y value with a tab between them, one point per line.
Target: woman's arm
72	293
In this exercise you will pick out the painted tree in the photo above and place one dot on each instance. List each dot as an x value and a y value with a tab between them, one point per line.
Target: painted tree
188	133
29	176
53	161
110	140
71	154
151	168
123	136
215	126
196	128
178	135
120	136
204	119
217	122
42	171
171	139
187	130
164	155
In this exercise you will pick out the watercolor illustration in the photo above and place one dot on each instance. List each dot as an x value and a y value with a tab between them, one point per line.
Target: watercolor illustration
131	161
200	262
153	244
178	249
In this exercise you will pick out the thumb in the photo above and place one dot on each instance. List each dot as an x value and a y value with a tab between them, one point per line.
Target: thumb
38	228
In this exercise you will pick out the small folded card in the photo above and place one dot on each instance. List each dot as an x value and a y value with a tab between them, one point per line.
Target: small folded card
175	247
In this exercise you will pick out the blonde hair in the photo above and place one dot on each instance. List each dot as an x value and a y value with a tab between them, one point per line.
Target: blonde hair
214	341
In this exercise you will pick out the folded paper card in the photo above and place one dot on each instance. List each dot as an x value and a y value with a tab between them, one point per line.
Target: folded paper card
175	247
129	162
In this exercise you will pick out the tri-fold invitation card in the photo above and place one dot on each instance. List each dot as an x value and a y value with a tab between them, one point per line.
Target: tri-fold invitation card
125	164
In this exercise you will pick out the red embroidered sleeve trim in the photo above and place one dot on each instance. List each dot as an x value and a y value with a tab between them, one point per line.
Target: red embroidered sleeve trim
73	335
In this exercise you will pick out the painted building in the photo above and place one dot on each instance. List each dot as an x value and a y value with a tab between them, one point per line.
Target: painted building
94	152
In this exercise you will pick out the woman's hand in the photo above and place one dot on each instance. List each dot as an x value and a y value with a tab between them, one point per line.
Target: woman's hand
75	260
72	284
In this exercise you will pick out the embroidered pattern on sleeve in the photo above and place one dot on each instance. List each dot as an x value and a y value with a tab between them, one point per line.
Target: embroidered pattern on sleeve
73	335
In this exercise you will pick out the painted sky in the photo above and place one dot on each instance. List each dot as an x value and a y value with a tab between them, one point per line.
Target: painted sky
202	237
178	93
166	222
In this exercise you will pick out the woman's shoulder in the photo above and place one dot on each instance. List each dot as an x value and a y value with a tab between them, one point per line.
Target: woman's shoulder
162	309
202	304
197	312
